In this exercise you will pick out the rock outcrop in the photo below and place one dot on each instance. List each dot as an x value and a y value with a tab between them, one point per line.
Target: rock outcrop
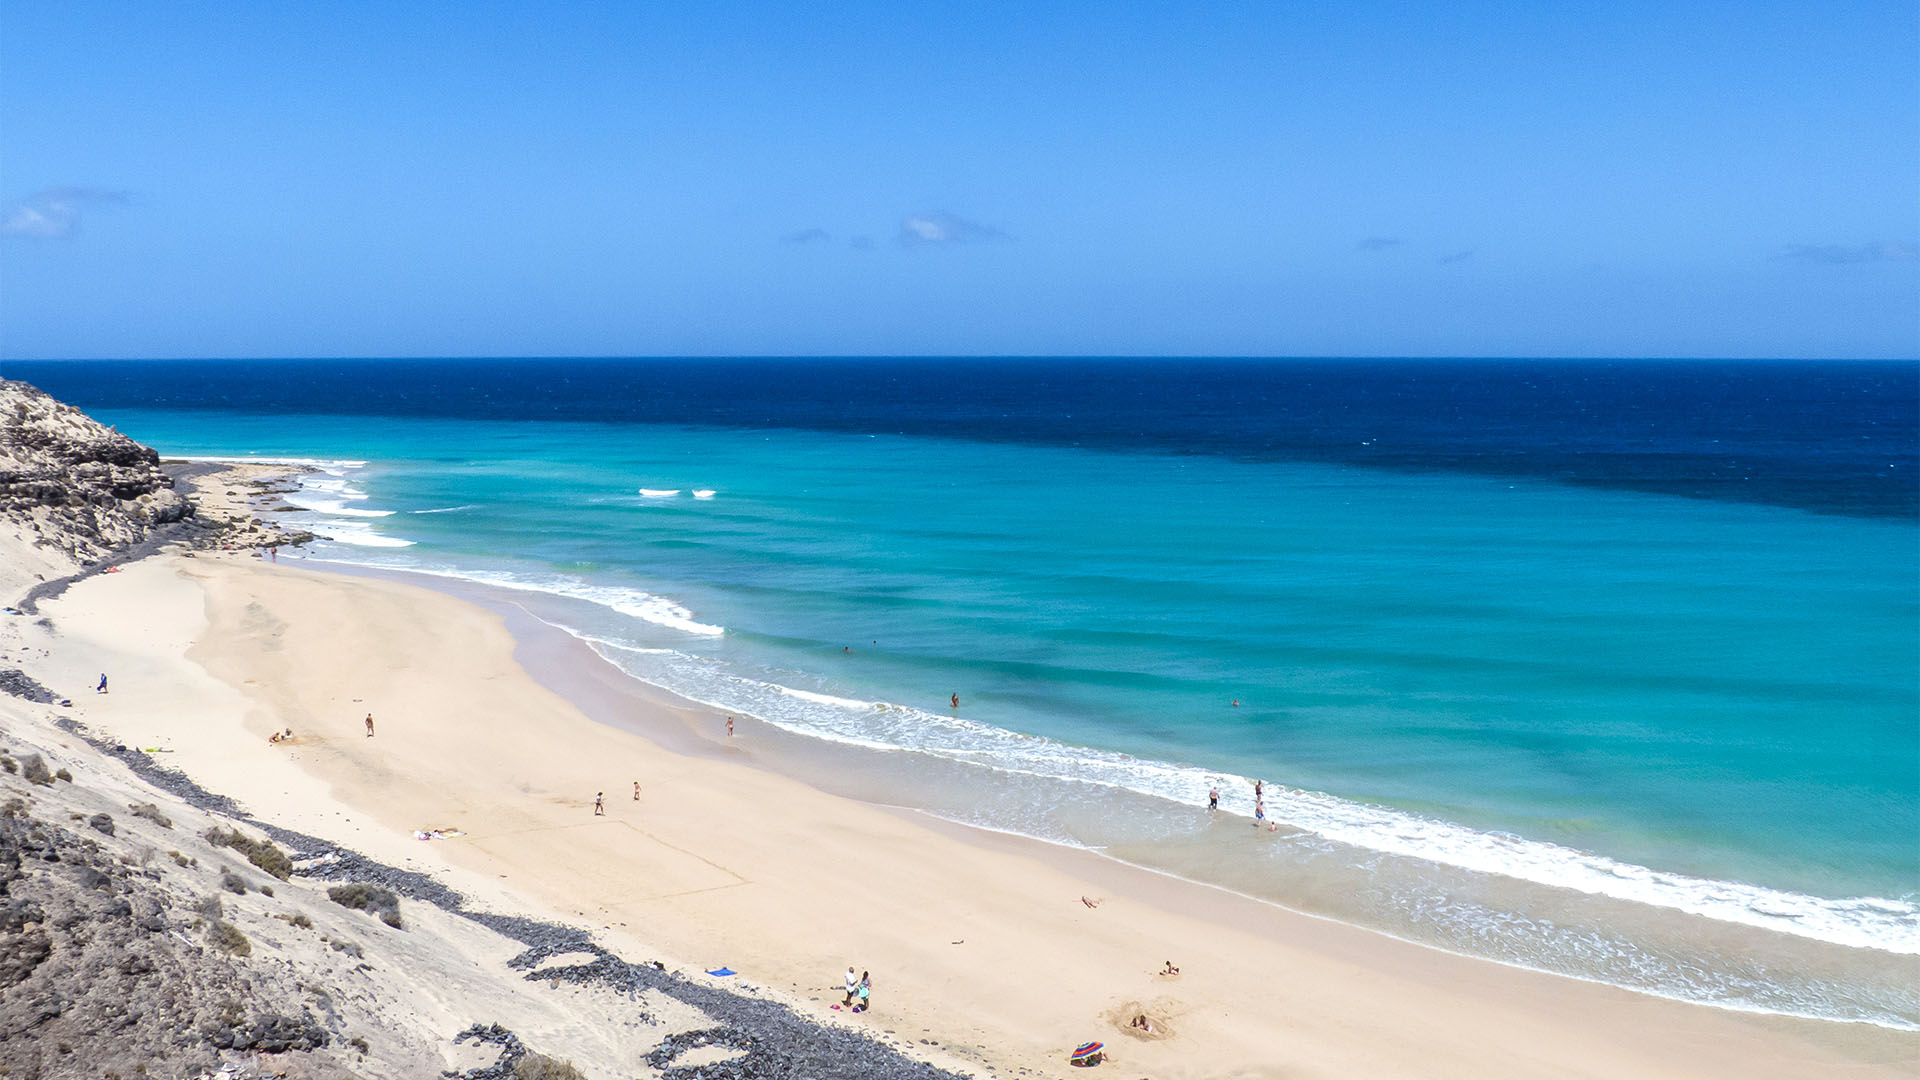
75	485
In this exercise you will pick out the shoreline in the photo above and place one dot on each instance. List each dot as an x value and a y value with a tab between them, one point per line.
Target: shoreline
565	661
557	658
1420	1006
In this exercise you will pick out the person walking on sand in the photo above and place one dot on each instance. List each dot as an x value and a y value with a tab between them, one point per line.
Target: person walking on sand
636	791
369	725
853	986
102	688
600	804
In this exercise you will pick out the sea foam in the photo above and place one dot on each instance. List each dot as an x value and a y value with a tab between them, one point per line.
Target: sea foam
1857	922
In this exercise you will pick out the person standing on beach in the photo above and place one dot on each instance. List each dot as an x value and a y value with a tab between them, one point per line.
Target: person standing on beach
1213	800
369	725
636	791
853	985
599	804
729	727
866	992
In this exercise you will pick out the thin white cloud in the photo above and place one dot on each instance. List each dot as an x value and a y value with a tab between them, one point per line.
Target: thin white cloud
940	227
55	212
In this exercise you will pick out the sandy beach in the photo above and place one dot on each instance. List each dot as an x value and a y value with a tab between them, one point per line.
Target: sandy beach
981	950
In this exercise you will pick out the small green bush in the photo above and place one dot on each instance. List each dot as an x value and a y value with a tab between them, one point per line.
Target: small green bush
226	936
261	853
372	899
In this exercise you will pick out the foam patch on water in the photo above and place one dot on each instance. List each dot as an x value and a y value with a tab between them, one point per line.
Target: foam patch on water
356	533
327	500
634	603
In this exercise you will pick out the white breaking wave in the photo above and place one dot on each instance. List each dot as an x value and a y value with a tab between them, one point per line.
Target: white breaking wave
332	466
443	509
635	603
703	493
357	533
324	496
1858	922
321	505
659	493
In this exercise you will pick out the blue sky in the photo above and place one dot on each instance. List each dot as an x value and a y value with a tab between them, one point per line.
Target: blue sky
1606	179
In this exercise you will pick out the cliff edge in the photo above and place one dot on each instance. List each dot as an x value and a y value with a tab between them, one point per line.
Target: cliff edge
73	489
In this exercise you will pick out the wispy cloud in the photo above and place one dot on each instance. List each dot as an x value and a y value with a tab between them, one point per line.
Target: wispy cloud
55	212
1456	257
1842	254
806	236
1379	243
920	230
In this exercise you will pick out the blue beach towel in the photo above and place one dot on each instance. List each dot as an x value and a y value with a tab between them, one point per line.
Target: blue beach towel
723	971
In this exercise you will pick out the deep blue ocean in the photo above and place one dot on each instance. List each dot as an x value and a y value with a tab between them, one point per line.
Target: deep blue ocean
1602	667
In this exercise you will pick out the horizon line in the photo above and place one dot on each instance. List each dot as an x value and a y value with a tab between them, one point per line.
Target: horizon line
444	358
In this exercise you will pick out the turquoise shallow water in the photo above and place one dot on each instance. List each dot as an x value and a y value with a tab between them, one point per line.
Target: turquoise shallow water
1662	742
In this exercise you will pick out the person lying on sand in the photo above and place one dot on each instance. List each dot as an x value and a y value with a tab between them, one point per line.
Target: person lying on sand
1169	969
1090	901
1142	1023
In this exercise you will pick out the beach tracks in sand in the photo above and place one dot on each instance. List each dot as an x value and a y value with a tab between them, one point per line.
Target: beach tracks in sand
616	858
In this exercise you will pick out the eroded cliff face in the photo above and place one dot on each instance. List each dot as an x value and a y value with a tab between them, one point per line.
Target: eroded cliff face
73	485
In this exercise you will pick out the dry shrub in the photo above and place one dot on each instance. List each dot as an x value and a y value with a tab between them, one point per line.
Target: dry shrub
227	937
372	899
151	813
261	853
541	1067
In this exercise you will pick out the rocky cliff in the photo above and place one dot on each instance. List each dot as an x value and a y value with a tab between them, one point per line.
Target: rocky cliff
74	485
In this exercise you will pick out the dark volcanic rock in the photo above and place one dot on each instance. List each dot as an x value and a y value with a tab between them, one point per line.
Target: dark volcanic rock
21	685
90	985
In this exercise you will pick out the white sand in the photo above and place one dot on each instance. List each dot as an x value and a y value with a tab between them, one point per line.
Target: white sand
976	941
